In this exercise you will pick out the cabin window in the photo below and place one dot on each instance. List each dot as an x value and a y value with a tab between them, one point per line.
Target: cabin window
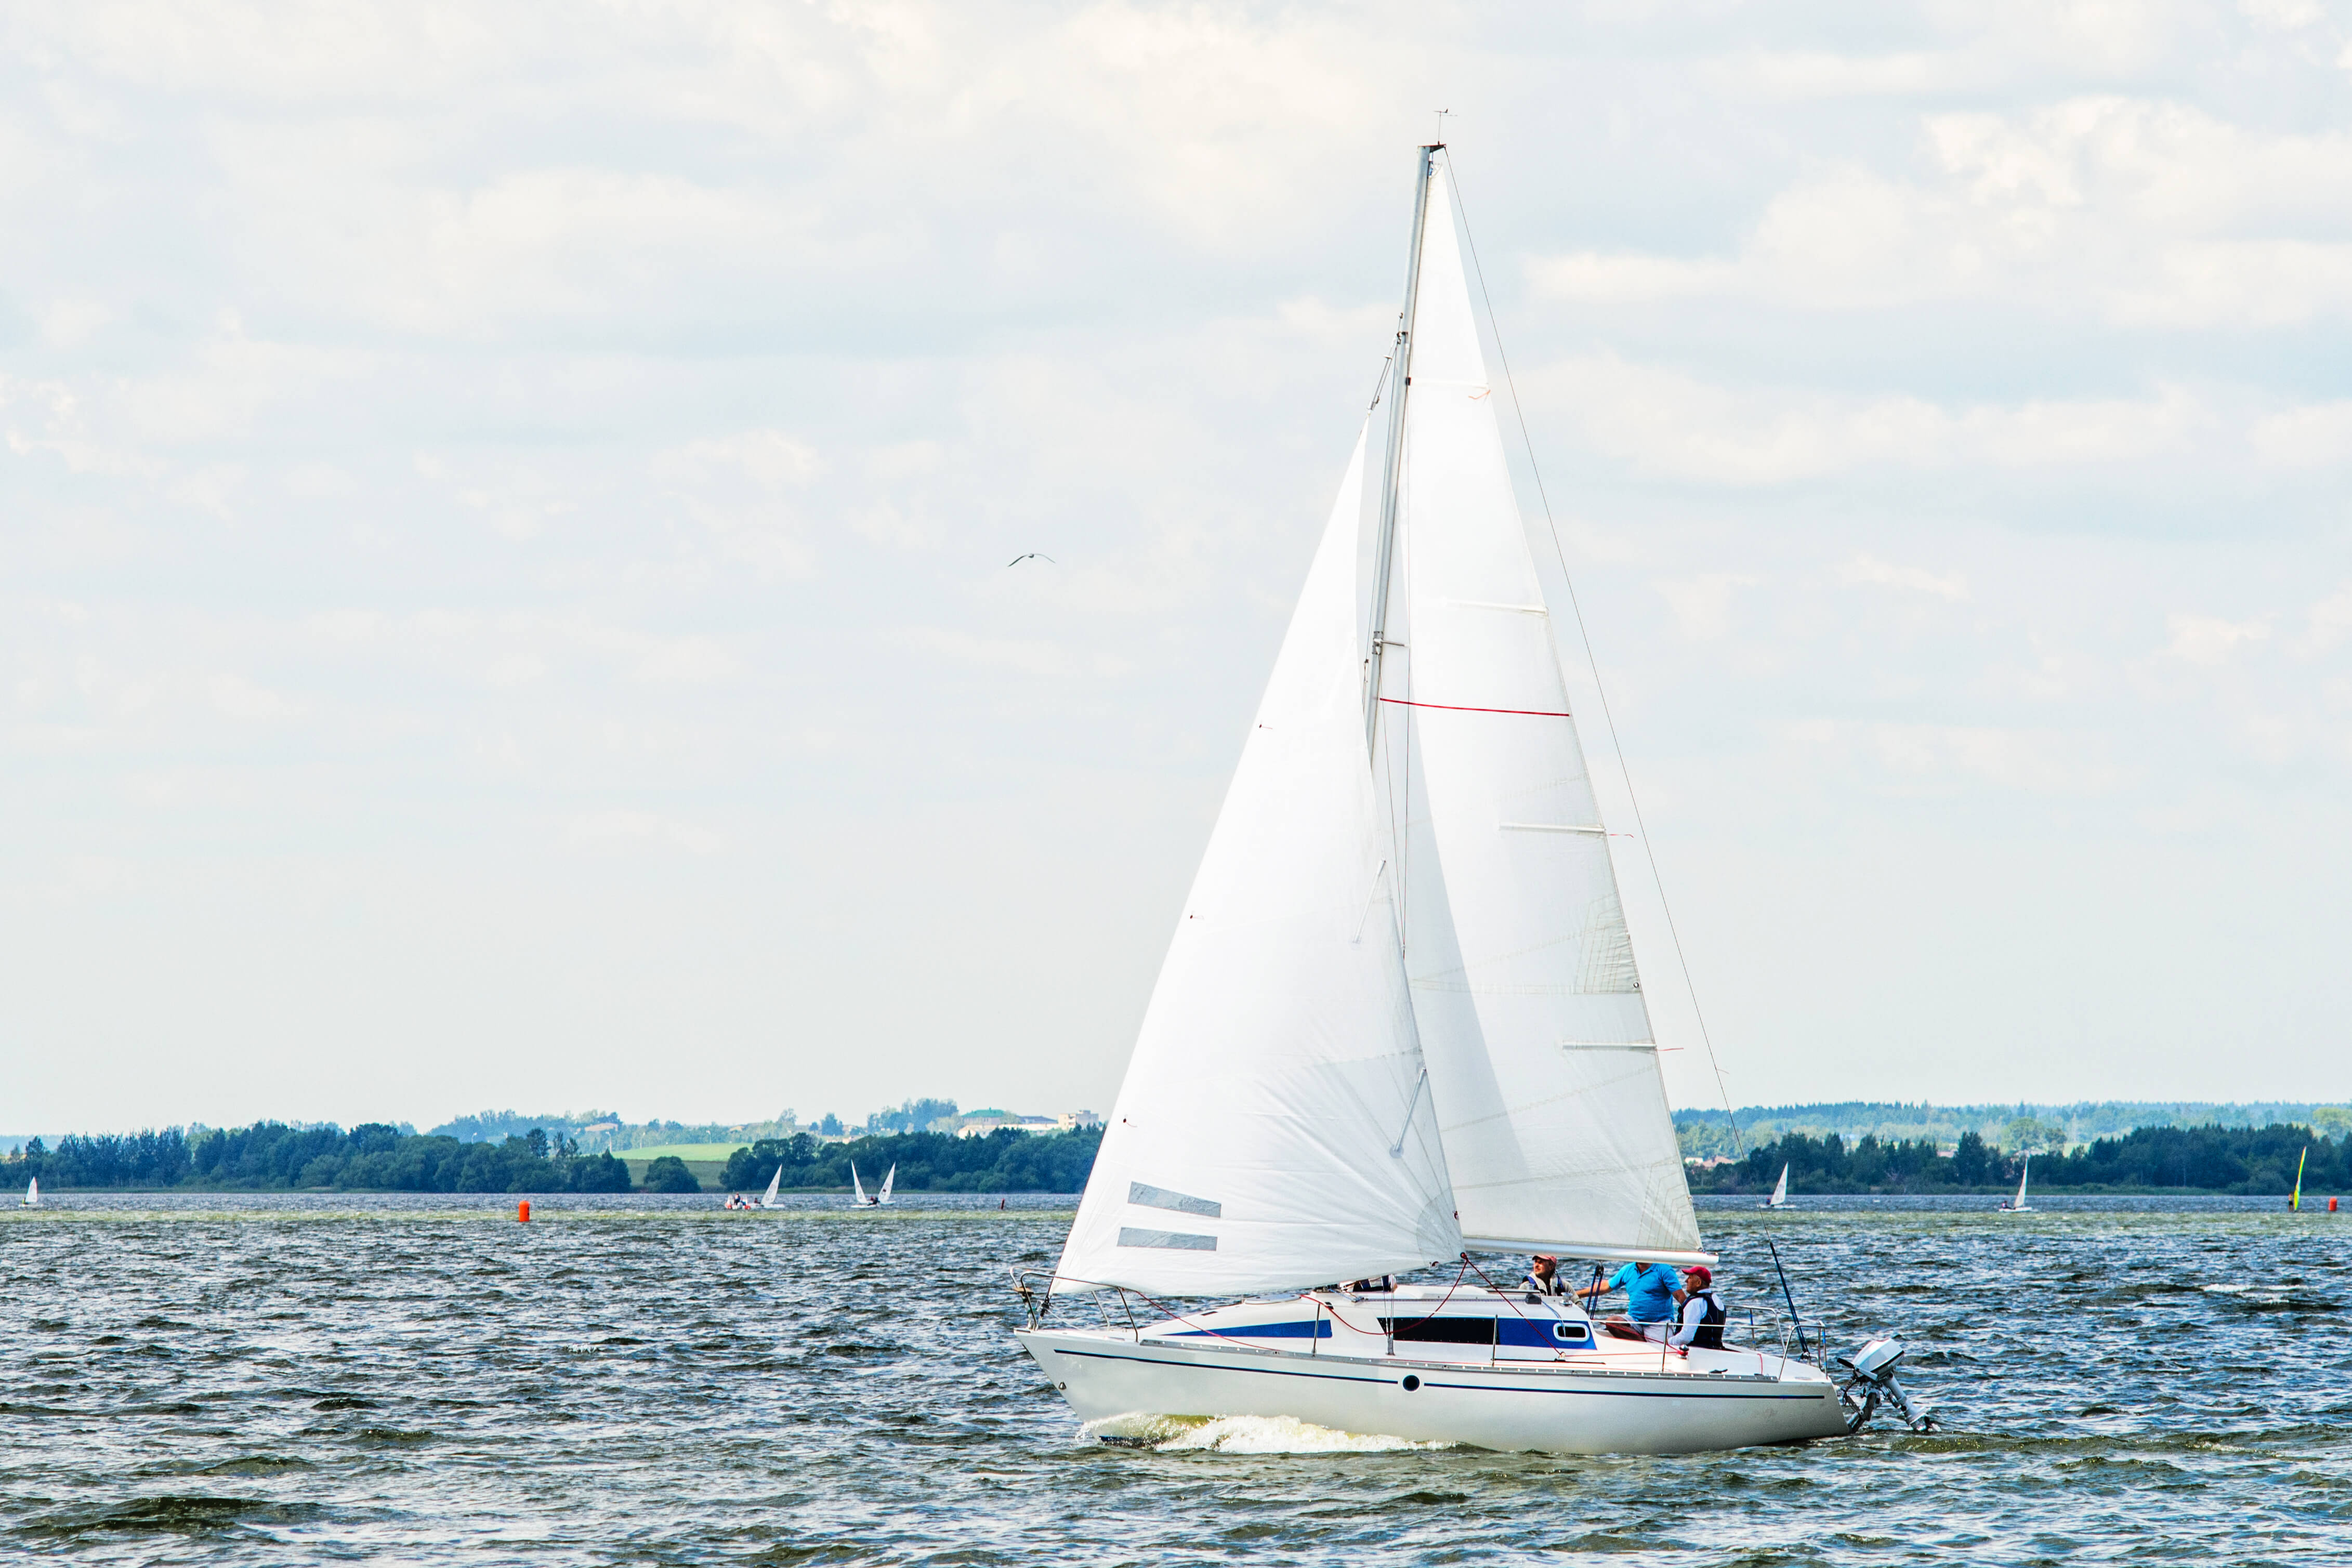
1440	1331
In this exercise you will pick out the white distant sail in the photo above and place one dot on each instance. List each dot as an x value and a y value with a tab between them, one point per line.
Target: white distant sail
1780	1190
2024	1173
884	1196
1557	1131
1274	1129
33	1193
858	1187
774	1182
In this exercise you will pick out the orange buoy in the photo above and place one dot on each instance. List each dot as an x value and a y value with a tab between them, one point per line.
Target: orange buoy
2331	1205
523	1211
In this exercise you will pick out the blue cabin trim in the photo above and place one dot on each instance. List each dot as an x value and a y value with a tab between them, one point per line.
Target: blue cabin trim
1305	1328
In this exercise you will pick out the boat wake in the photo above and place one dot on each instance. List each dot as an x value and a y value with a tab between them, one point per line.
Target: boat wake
1242	1435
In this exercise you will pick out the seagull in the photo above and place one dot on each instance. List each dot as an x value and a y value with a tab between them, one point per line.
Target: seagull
1032	555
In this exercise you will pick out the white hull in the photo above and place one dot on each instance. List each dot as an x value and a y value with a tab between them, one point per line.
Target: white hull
1616	1397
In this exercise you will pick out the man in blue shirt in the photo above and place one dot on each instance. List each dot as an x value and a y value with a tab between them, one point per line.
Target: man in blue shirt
1649	1300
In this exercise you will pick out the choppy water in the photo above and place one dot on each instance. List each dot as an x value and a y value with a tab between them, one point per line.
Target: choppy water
275	1381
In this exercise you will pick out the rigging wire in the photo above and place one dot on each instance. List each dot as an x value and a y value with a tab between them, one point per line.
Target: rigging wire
1584	633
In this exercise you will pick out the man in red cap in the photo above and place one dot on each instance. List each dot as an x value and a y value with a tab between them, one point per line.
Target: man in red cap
1698	1317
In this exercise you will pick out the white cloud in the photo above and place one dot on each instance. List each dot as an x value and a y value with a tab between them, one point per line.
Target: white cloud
242	699
743	489
2288	13
1026	656
623	827
1868	571
2041	762
2316	435
1351	325
2209	639
2329	619
1666	421
2144	213
688	659
1702	605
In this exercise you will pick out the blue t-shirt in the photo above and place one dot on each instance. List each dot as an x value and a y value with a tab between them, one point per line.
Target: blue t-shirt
1649	1292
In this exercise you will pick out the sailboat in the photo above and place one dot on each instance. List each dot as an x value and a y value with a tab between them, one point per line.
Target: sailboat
769	1200
2017	1204
33	1193
1780	1199
858	1187
2295	1201
1399	1019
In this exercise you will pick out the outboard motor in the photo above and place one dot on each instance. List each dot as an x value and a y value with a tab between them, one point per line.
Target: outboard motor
1870	1378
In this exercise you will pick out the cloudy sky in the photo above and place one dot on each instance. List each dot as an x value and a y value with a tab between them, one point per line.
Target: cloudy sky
504	510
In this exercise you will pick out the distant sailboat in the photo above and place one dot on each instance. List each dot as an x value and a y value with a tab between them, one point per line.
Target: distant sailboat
1780	1199
774	1182
857	1188
2018	1205
2295	1203
33	1193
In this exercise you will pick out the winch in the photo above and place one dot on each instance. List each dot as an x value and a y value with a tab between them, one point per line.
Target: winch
1870	1379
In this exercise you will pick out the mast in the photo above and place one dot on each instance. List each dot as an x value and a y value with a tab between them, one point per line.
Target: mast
1400	388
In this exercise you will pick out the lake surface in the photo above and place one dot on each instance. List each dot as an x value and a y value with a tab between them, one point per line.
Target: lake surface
294	1379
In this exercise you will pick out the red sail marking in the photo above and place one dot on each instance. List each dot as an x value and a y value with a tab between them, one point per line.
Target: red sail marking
1456	707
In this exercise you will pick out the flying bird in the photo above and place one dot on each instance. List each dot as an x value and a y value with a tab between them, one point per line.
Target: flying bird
1032	555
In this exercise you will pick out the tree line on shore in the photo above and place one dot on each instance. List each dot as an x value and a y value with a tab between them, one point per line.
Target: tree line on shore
2147	1159
1003	1160
272	1155
377	1157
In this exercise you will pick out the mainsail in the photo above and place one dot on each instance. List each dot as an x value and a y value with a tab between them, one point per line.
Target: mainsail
1274	1128
1541	1060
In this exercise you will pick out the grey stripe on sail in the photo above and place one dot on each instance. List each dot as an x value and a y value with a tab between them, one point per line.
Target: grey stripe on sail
1177	1241
1160	1197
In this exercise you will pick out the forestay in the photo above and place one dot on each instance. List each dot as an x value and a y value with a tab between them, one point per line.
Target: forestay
1274	1130
1556	1126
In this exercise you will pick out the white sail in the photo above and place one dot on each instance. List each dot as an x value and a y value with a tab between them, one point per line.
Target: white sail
2024	1174
884	1196
33	1193
856	1187
1554	1113
1780	1190
774	1182
1274	1129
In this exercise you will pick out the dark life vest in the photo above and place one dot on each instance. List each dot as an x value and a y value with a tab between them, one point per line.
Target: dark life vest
1710	1327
